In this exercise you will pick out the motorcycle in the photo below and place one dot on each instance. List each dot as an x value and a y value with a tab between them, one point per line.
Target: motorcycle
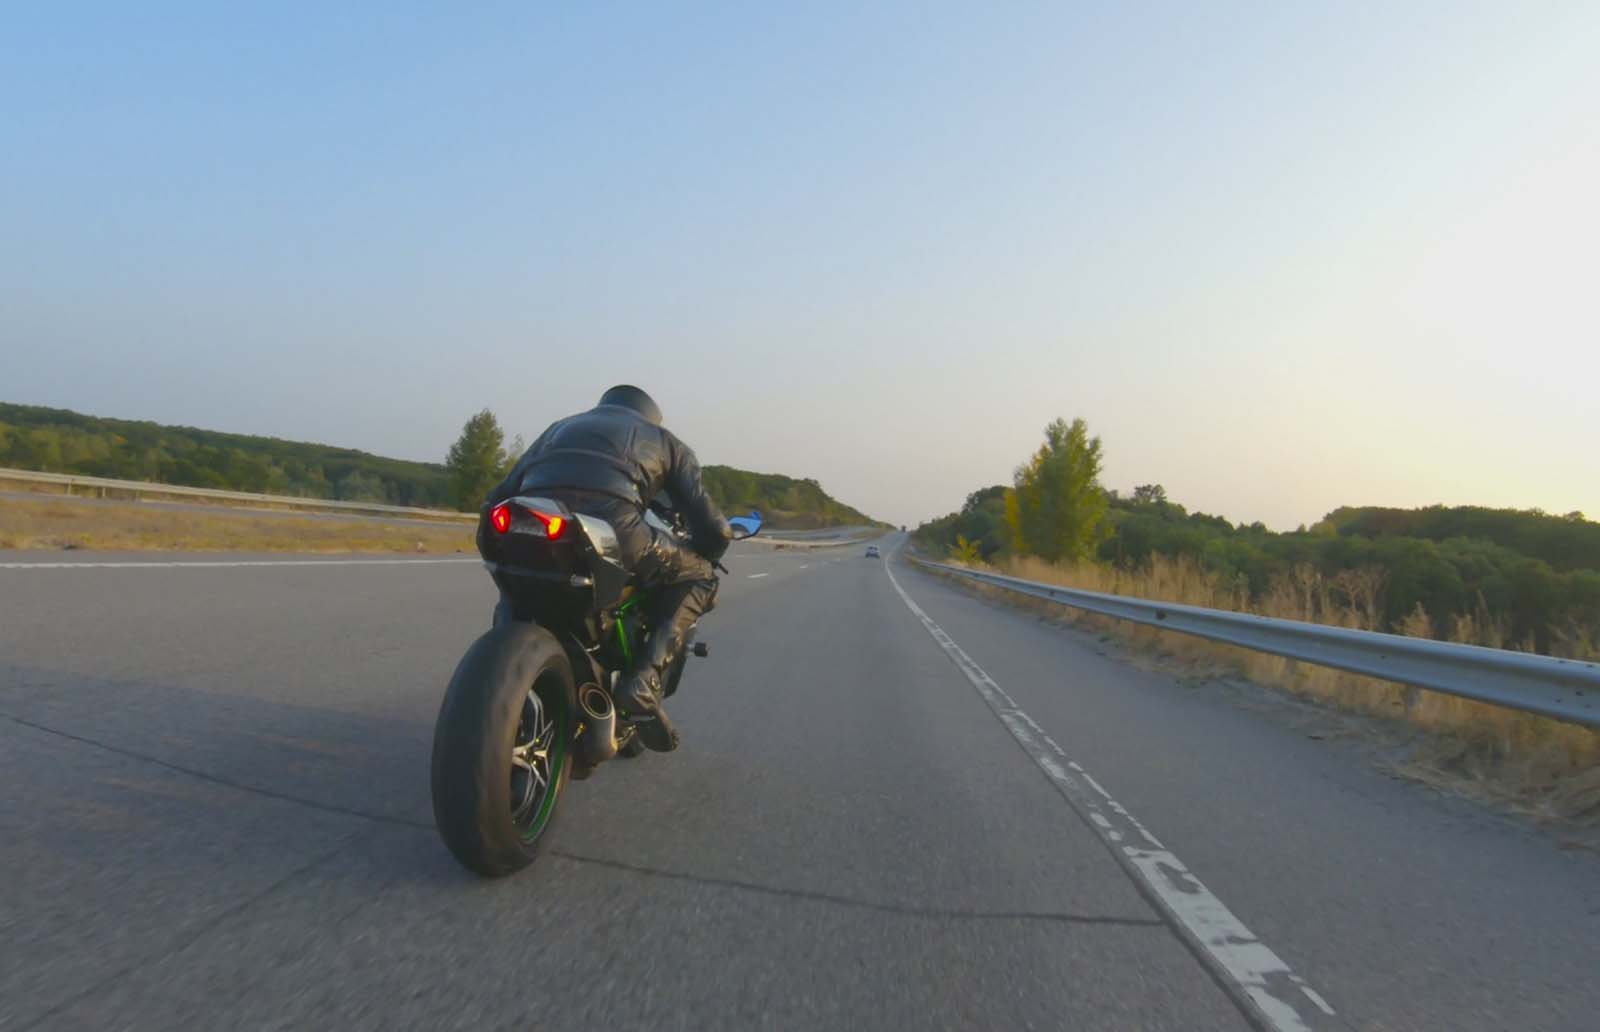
529	708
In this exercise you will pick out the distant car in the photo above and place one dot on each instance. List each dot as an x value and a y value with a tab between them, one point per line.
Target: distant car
872	552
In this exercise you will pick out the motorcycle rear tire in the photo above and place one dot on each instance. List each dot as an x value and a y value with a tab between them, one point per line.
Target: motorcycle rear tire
482	714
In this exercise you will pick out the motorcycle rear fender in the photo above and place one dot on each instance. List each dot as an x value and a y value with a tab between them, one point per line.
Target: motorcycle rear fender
583	568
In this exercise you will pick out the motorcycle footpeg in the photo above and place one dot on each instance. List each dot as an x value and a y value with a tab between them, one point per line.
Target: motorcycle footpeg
701	649
656	732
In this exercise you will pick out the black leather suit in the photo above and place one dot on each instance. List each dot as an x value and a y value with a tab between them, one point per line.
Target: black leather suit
610	462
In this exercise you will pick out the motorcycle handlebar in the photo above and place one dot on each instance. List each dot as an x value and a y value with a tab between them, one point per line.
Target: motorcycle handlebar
674	523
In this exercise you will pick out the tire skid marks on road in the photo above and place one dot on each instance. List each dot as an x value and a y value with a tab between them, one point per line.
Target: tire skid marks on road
1256	978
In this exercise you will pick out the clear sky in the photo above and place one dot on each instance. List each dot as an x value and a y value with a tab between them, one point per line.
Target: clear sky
1280	258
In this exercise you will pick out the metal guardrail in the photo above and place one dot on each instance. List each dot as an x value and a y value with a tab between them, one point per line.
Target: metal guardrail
139	488
780	543
1561	688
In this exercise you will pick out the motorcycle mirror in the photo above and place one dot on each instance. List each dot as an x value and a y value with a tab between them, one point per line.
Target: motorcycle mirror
745	526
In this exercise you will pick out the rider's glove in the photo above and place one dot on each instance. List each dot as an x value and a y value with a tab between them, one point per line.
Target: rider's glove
714	545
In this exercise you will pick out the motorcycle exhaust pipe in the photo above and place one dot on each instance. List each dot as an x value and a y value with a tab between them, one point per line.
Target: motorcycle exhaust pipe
598	742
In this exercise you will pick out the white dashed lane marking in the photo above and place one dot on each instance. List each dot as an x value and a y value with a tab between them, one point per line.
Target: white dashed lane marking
1264	988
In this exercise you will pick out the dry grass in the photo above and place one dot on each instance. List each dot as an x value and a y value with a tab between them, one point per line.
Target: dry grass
1533	764
56	523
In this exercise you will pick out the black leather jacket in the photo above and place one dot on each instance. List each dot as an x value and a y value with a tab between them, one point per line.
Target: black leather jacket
615	451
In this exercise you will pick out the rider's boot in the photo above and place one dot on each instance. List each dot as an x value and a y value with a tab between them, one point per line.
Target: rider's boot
639	695
638	699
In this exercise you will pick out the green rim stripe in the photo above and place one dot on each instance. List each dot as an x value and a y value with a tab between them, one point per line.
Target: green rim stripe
557	754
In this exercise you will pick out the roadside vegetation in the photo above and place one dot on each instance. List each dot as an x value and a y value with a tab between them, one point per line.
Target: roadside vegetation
59	523
61	441
1522	580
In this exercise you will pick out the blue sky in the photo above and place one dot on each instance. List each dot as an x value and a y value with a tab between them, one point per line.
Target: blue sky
1281	259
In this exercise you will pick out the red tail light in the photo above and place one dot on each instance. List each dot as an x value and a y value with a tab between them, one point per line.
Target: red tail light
500	519
553	525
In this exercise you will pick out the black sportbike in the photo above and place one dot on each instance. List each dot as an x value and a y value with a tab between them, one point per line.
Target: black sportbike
529	707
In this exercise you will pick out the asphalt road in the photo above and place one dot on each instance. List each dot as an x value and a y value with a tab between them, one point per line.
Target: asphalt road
214	813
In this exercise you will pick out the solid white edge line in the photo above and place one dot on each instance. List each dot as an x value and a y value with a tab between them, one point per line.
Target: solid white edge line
1316	998
209	564
1256	977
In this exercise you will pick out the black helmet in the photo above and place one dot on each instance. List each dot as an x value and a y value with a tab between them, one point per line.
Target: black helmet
630	397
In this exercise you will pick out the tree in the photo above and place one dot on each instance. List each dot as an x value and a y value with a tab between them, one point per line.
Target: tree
357	486
1149	494
475	460
1056	503
964	551
512	453
977	499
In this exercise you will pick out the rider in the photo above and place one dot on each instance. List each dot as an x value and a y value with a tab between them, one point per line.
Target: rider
610	462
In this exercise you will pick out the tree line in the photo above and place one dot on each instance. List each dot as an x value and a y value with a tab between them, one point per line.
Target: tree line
785	501
1534	574
61	441
480	458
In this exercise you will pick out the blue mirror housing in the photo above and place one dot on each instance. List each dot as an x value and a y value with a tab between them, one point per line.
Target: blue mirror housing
745	526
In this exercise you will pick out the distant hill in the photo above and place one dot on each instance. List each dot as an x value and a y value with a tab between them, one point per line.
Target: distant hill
784	501
60	441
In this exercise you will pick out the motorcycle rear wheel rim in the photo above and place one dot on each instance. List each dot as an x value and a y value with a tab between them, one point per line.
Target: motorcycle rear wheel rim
537	755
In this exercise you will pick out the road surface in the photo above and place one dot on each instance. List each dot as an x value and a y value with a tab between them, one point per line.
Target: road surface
215	813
